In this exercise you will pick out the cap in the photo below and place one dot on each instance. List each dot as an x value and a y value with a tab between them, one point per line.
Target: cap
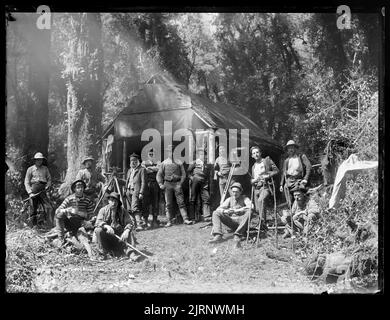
73	186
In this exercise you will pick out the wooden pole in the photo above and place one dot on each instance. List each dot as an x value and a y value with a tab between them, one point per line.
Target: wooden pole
124	156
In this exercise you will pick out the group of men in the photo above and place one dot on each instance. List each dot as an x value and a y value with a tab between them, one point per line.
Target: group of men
114	227
236	211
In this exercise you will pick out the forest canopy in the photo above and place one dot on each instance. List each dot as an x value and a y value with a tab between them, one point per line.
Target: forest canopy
295	74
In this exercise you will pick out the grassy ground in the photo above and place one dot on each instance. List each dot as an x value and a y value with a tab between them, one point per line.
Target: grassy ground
182	261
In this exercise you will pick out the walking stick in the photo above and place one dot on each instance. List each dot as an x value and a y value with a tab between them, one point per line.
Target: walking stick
250	214
130	246
287	195
276	218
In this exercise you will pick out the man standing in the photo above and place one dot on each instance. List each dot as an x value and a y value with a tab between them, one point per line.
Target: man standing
93	179
135	190
304	210
296	170
170	178
152	198
222	168
113	220
262	172
199	173
74	212
234	212
38	179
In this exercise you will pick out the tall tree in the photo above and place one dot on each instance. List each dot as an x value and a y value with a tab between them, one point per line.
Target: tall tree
29	72
83	73
39	73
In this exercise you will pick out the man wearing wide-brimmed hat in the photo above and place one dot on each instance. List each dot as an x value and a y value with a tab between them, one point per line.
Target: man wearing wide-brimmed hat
296	170
74	212
304	210
136	180
234	212
37	181
113	220
93	179
199	174
170	178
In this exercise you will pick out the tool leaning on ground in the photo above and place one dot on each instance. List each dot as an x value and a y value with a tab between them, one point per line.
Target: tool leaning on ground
225	190
275	214
288	199
249	221
134	248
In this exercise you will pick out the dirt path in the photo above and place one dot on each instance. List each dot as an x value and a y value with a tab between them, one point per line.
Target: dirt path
183	262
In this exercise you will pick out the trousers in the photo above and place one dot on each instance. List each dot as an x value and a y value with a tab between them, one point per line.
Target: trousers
239	224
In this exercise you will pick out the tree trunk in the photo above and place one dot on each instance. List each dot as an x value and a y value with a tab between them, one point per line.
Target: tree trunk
37	110
84	99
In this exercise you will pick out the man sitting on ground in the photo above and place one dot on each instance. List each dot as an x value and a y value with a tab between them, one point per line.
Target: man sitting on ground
73	215
114	221
234	212
304	210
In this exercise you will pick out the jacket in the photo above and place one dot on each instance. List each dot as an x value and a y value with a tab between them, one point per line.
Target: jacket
304	164
270	169
139	180
171	171
104	217
202	170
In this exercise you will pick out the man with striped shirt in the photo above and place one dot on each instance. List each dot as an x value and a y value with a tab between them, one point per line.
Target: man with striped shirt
74	212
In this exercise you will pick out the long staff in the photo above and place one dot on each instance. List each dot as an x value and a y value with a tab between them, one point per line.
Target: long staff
102	196
287	195
275	215
130	246
250	214
228	183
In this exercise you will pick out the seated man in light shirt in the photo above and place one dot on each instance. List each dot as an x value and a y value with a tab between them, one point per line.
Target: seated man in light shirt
234	212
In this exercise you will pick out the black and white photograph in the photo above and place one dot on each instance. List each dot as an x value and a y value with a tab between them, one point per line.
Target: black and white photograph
202	151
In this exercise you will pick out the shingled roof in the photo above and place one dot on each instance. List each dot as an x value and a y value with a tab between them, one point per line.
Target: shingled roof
163	95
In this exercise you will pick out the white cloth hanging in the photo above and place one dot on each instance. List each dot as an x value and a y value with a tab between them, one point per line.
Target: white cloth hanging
351	165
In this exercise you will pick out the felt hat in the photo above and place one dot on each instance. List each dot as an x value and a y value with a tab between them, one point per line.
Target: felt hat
115	195
134	155
236	185
88	158
291	143
38	156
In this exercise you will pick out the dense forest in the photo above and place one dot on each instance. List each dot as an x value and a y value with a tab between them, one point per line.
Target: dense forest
296	75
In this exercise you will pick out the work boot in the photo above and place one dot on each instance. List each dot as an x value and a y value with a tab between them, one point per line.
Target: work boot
237	242
217	238
155	223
